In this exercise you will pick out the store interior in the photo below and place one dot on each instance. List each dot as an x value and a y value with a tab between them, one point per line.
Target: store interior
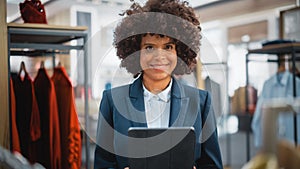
245	44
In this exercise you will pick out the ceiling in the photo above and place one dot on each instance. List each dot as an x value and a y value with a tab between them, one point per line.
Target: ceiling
193	3
13	13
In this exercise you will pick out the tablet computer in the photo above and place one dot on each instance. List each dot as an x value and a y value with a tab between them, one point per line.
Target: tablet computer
161	148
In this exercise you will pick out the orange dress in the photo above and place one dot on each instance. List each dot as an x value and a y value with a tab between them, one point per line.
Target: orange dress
49	150
15	142
70	128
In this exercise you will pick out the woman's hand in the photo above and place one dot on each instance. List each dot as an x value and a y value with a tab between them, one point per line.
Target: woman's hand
194	167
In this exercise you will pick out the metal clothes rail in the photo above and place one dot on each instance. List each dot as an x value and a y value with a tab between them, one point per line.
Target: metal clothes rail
47	40
274	49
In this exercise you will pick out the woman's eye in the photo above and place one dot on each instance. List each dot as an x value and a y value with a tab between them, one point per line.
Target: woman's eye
149	48
169	47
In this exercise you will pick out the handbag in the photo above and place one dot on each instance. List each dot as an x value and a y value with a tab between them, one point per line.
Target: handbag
33	11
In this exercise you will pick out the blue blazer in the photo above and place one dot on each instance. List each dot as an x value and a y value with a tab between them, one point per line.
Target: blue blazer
123	107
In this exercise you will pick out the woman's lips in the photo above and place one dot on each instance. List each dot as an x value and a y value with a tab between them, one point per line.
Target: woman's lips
159	66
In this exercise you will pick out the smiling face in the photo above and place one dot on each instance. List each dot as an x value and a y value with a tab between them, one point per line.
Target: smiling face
158	57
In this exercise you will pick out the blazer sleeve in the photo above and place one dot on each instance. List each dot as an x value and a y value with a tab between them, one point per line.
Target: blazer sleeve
104	158
210	152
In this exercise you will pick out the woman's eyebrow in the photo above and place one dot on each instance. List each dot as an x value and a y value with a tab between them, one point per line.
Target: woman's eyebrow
147	43
152	44
170	43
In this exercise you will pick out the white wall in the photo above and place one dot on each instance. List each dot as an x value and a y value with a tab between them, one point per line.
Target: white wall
104	62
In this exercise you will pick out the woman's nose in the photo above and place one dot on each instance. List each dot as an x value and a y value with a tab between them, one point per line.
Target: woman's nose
160	53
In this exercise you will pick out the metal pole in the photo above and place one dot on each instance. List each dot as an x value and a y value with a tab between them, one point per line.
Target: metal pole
53	60
228	138
86	104
247	111
295	95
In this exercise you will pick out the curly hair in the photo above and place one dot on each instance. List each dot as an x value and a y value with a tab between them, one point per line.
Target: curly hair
171	18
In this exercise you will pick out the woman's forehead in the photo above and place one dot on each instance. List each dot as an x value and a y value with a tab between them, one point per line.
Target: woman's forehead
156	37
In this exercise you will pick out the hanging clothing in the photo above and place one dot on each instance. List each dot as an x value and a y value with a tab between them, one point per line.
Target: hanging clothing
15	142
238	100
27	116
49	150
277	86
70	128
215	90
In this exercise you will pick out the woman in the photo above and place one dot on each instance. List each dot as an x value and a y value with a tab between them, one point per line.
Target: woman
155	42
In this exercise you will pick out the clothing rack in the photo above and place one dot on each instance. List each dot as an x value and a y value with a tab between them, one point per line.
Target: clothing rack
222	66
274	49
47	40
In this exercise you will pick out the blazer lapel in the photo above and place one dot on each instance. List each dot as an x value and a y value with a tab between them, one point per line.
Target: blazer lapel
135	103
179	105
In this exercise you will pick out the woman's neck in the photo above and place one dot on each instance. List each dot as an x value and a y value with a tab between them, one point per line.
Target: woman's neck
156	86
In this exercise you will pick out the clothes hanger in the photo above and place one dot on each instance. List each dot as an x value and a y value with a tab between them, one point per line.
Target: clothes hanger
286	63
42	65
281	68
22	71
283	63
22	67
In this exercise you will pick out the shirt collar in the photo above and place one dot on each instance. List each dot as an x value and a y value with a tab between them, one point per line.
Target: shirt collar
284	78
163	95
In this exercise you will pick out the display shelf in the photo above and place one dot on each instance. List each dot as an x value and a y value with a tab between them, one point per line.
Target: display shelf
36	53
277	49
284	48
41	36
46	40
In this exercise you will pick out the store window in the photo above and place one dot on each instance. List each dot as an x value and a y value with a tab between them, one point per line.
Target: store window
240	39
214	72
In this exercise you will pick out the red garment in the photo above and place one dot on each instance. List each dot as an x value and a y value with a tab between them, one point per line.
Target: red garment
70	128
27	116
15	142
49	150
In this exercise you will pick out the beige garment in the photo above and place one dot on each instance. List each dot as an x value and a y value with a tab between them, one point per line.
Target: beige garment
288	155
238	101
262	161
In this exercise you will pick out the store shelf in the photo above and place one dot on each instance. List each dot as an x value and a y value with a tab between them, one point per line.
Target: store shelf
44	37
285	48
36	53
43	33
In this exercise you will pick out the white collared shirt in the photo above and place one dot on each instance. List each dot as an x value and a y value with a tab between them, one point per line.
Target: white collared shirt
157	107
